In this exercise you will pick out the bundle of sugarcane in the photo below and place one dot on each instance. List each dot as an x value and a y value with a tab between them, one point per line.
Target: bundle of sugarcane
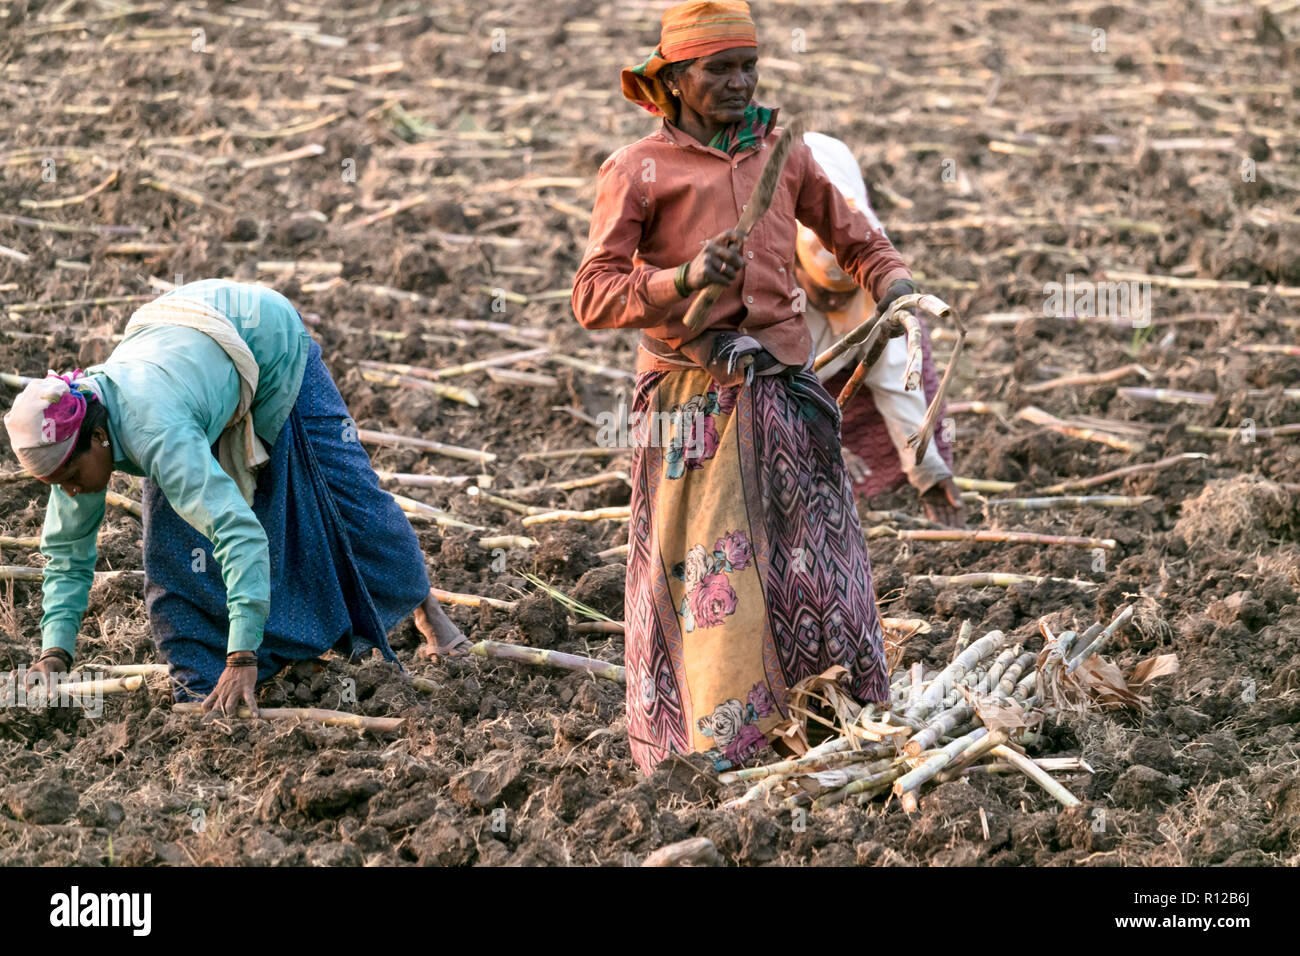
976	713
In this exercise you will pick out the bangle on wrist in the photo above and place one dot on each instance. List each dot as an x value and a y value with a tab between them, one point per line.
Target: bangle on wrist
680	280
233	661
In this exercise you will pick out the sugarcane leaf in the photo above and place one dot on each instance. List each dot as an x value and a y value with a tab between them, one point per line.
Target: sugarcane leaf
1105	683
1151	668
1002	714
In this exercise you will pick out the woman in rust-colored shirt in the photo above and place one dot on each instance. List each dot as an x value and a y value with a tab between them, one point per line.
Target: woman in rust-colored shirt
747	569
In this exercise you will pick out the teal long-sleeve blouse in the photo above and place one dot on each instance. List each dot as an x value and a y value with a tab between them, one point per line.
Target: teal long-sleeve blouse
170	392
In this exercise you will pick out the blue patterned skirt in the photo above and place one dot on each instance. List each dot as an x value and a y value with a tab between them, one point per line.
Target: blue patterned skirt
346	566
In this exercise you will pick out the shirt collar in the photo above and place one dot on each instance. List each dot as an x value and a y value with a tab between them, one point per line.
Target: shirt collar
679	137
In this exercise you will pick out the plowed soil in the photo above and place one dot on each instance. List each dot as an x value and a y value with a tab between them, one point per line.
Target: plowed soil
449	153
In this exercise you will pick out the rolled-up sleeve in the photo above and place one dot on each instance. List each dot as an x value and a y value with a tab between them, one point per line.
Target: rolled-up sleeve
612	290
862	251
180	461
68	545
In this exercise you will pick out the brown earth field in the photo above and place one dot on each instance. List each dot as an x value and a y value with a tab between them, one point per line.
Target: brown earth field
406	173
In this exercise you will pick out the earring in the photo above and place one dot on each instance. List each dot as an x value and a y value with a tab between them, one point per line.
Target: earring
104	443
677	92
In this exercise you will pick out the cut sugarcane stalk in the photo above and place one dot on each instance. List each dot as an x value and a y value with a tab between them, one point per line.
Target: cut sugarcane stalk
1064	502
451	451
618	552
832	752
8	542
424	481
592	367
994	579
896	516
911	780
939	726
987	485
688	852
570	453
547	658
855	337
618	513
1168	396
411	507
977	408
513	376
861	336
330	718
872	781
507	541
1010	678
999	666
875	336
453	392
1087	378
919	441
889	327
471	600
123	502
1037	416
950	675
1005	537
964	760
92	688
597	627
572	483
15	381
757	792
1094	645
1036	774
853	384
516	506
510	358
1269	348
1079	484
912	371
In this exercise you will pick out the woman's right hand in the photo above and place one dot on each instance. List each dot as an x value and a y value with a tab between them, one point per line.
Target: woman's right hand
48	669
718	263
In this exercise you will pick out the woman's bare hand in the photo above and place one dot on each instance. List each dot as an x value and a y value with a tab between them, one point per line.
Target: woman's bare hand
943	504
46	672
236	686
719	262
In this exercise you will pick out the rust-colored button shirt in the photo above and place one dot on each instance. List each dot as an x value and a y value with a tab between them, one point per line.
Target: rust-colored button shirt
658	200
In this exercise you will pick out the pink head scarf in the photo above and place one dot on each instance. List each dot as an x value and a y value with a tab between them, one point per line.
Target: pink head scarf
46	418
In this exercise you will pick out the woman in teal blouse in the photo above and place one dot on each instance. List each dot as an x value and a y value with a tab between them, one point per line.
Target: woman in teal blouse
267	538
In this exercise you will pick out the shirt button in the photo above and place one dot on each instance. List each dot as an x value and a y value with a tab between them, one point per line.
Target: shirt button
781	270
750	255
749	299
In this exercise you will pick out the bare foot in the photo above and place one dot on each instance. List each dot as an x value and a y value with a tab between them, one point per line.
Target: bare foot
440	635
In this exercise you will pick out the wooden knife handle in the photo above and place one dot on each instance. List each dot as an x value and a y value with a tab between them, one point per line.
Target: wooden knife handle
703	304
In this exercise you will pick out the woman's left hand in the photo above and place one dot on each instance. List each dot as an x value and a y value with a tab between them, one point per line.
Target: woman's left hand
899	287
943	504
237	685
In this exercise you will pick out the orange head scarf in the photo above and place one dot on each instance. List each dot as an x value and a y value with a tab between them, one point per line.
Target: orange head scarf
692	29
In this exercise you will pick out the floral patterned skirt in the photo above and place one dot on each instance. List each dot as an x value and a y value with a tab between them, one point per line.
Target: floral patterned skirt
747	569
